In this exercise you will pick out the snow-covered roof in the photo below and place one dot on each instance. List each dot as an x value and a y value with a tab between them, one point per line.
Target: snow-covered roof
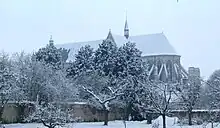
152	44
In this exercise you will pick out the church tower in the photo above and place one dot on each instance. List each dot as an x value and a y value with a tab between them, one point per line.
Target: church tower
126	29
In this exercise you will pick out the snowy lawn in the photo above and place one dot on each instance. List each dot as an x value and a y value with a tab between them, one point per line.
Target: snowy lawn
112	124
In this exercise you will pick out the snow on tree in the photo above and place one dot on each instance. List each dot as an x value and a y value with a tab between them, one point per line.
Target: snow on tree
212	93
100	91
49	55
35	78
131	67
108	73
105	58
83	62
7	81
51	115
64	54
189	95
21	62
157	98
213	88
97	75
37	81
44	81
64	88
129	61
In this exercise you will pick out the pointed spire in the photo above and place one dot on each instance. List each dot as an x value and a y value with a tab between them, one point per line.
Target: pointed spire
110	37
126	29
51	39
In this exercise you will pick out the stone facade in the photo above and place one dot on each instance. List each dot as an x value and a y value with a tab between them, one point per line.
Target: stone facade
166	68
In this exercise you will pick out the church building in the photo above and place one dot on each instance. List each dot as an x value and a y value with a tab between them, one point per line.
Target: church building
164	62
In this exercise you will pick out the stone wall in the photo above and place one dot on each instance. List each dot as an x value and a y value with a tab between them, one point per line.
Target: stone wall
87	113
13	112
203	115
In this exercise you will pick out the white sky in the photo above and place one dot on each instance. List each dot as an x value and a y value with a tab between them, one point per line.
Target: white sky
191	26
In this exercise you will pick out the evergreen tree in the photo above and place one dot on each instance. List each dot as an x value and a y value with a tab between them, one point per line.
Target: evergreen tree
49	55
131	68
101	84
129	60
64	53
105	58
83	62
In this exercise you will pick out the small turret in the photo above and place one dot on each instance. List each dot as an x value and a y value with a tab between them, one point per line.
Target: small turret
126	29
51	40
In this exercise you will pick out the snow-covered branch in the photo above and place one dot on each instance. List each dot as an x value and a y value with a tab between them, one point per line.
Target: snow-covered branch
94	95
103	101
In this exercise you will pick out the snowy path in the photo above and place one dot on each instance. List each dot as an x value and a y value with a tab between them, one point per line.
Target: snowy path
112	124
115	124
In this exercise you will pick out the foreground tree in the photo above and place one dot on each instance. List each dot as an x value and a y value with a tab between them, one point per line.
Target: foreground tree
131	68
158	98
189	94
49	114
106	73
7	81
101	93
21	62
83	62
96	74
212	93
213	88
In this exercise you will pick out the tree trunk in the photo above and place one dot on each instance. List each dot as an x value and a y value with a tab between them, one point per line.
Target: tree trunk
149	121
190	117
106	117
164	120
149	118
1	112
212	124
124	122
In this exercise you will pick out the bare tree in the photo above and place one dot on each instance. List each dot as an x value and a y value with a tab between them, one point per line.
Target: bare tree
189	94
158	99
212	90
101	93
7	81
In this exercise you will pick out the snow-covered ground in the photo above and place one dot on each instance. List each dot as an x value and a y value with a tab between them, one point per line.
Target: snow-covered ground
171	123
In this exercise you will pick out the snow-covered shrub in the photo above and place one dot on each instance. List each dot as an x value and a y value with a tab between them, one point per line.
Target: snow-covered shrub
50	115
155	124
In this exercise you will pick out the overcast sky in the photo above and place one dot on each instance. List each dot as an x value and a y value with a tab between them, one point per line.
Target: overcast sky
191	26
